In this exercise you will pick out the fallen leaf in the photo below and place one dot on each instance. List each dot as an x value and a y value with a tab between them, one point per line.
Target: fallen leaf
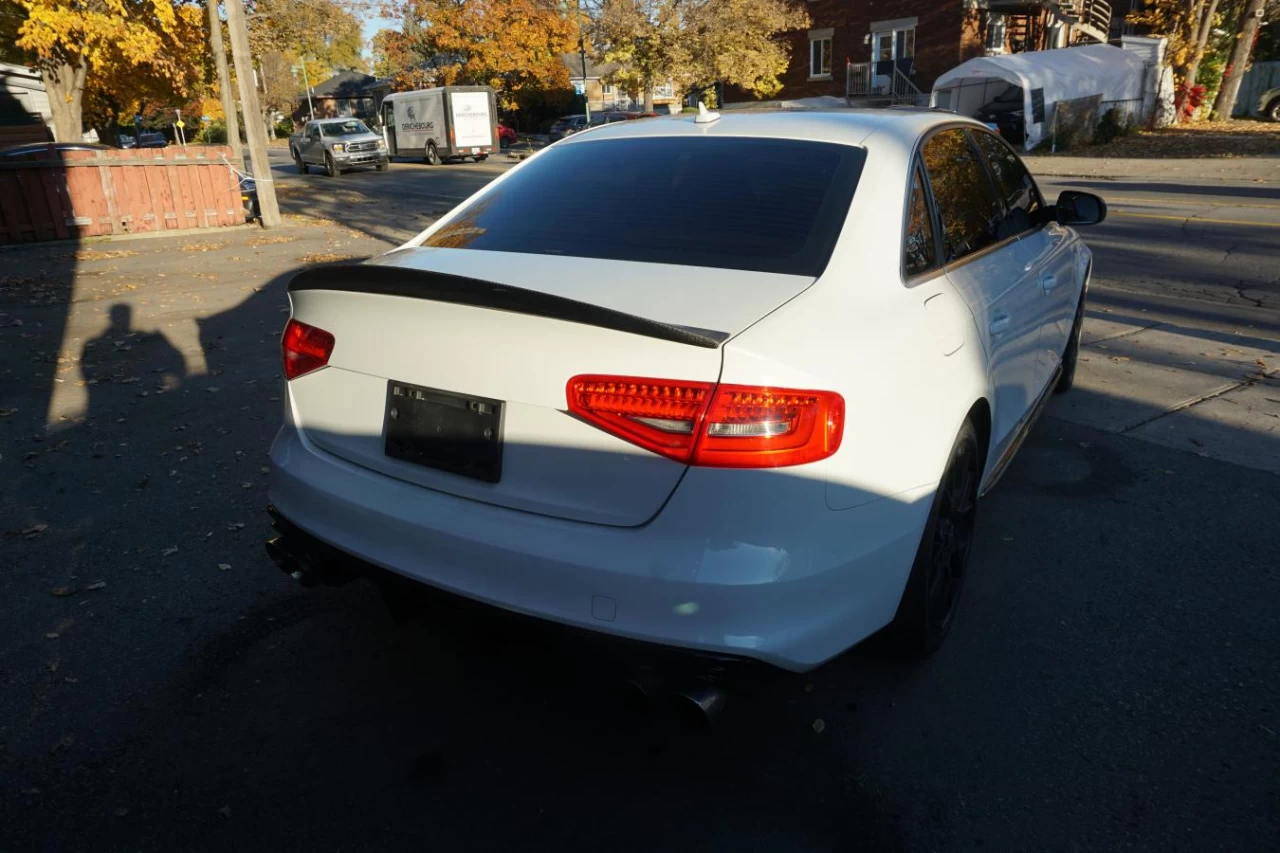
224	566
35	530
170	551
225	812
121	812
62	591
819	726
100	584
52	635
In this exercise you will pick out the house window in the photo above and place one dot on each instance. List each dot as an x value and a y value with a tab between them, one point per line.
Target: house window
819	53
896	44
995	33
606	88
906	43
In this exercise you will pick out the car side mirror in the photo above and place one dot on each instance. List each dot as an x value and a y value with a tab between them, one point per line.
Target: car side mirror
1077	208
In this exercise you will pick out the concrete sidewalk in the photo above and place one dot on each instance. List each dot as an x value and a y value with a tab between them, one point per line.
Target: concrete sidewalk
1195	376
1236	170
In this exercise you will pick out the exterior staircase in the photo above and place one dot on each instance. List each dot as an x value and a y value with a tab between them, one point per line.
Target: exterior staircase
865	88
1091	18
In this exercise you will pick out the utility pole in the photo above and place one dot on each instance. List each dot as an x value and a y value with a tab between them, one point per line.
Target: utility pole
224	85
311	110
586	93
254	129
261	74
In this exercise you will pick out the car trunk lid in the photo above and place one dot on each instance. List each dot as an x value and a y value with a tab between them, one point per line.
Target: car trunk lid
513	329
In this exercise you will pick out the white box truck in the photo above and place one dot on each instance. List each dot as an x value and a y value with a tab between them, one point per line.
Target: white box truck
448	123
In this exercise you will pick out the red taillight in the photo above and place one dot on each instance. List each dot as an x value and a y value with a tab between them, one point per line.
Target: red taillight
305	348
699	423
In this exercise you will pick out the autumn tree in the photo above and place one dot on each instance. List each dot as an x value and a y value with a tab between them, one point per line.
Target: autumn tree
1248	22
1188	27
696	42
320	30
114	51
321	36
511	45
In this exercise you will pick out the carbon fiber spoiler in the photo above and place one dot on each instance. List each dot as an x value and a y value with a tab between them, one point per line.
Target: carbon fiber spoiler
461	290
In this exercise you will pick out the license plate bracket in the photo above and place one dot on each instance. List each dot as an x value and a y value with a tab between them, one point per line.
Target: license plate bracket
449	432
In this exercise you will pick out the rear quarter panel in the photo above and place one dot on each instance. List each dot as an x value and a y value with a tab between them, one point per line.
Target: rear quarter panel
909	376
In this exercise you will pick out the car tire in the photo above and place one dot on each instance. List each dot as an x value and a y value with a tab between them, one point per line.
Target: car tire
480	158
330	166
1273	110
929	603
382	167
302	164
1071	355
433	156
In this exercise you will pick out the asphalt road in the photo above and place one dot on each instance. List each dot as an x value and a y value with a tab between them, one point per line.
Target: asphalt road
1113	682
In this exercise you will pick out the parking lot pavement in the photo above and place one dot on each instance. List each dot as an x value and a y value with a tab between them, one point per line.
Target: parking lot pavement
392	205
1112	682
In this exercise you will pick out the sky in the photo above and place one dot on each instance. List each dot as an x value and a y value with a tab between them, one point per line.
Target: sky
372	25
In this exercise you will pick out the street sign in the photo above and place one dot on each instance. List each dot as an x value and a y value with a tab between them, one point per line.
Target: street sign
181	123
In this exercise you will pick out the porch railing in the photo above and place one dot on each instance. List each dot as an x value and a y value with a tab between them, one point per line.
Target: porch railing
896	87
858	78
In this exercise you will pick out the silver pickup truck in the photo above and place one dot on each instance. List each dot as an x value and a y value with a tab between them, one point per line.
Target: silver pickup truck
336	145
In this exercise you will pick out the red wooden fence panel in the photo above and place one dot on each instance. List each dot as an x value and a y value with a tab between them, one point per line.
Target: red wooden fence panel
53	195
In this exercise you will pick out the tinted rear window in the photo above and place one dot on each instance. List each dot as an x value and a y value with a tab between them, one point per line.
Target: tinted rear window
772	205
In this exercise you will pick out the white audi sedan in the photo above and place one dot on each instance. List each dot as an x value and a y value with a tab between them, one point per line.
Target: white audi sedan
726	384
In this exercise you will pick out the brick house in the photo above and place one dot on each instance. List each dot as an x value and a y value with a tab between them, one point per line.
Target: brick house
854	46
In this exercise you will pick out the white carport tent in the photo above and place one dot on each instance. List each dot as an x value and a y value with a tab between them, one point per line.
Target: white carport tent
1059	75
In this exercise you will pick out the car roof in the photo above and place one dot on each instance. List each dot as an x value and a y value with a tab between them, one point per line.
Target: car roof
844	126
33	147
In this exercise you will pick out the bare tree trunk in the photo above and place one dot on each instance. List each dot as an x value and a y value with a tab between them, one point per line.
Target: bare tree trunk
64	84
648	95
1202	41
1249	22
224	86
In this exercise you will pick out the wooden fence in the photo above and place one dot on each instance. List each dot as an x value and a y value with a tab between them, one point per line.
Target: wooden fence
61	195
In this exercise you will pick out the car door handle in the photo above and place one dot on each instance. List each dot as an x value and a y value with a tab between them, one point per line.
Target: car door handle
1048	283
1000	324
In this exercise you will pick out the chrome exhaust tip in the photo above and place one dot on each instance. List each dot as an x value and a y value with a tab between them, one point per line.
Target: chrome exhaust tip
701	705
292	564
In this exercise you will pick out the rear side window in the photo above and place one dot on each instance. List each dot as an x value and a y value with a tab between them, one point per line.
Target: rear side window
966	201
1017	189
770	205
920	250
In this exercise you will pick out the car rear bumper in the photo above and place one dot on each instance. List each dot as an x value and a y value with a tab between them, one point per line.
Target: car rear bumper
691	578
